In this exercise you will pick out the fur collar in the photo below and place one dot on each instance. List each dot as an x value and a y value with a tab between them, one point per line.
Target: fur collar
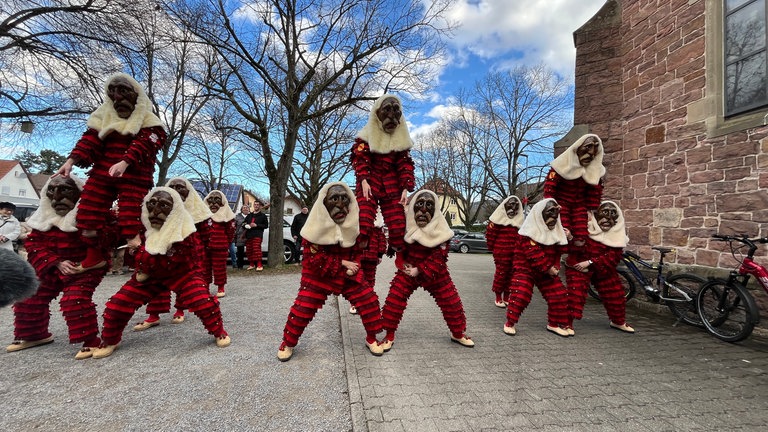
45	218
499	216
224	213
568	167
105	119
535	229
194	204
176	228
322	230
434	234
615	237
380	141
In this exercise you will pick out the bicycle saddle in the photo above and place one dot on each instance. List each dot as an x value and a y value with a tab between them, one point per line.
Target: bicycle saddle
662	250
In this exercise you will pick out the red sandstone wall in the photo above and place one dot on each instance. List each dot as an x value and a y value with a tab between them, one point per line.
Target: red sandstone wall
635	80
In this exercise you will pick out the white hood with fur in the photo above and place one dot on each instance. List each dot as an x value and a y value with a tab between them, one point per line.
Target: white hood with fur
434	234
499	216
535	229
380	141
224	213
176	228
105	118
45	217
194	204
322	230
615	237
568	167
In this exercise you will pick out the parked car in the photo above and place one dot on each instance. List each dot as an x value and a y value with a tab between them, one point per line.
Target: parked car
469	242
289	247
458	231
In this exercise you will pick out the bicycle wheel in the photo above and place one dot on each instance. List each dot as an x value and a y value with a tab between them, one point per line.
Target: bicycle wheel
677	303
626	282
728	310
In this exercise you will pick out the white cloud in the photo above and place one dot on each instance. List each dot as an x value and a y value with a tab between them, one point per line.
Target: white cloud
532	30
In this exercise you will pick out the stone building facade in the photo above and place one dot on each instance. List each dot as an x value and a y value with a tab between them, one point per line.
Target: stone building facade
649	82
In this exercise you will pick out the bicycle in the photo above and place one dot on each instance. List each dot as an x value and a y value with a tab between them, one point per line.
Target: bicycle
726	307
677	291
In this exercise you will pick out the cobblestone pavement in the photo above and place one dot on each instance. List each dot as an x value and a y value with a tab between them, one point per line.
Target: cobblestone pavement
173	378
662	378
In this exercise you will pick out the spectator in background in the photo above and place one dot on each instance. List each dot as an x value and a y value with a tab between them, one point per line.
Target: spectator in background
298	223
237	247
10	228
255	224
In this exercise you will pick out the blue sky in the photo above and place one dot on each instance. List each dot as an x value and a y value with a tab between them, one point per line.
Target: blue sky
498	35
491	35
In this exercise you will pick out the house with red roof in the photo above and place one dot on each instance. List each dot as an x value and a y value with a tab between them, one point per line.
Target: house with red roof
17	188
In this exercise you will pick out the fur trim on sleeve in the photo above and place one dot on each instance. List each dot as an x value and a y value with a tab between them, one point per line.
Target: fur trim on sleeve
615	237
568	167
45	217
322	230
499	216
194	203
535	229
176	228
380	141
224	213
105	118
434	234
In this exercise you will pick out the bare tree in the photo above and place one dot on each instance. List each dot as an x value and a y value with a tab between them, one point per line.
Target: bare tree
52	59
299	50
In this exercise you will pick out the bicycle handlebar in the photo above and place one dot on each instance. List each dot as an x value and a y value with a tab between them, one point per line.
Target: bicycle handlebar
752	243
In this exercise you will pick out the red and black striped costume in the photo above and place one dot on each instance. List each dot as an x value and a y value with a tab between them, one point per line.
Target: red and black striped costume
101	189
603	275
216	237
174	270
576	197
388	174
369	260
322	275
532	263
161	303
434	278
45	250
503	241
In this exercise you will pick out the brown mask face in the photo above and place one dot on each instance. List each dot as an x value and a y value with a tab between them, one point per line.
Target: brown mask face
607	215
159	206
550	214
123	96
511	207
389	114
424	209
215	202
180	186
587	151
337	203
63	193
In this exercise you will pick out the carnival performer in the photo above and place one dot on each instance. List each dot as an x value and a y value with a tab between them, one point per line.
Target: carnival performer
54	248
372	253
10	228
503	240
200	213
255	224
166	260
331	266
216	239
606	242
423	263
575	182
383	168
537	262
120	146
